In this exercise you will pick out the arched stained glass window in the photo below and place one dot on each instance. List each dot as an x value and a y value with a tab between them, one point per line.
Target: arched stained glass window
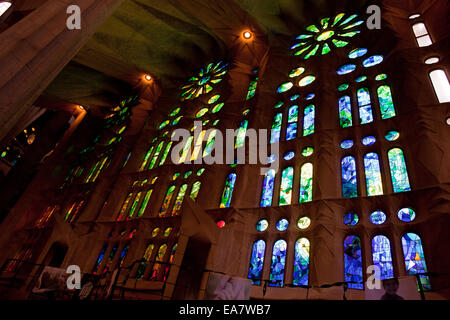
135	204
365	106
166	203
145	202
276	128
287	179
210	143
301	262
252	88
143	265
228	191
291	130
240	138
157	267
123	210
267	192
349	181
278	264
306	183
146	158
415	258
399	172
309	120
195	190
386	103
100	257
353	262
179	200
382	258
257	262
123	254
374	184
156	155
345	112
165	153
198	146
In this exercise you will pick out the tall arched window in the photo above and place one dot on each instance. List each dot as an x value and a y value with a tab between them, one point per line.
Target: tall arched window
382	258
123	254
179	200
100	257
301	262
287	179
399	172
195	190
415	258
143	265
146	158
276	128
349	181
267	192
353	262
135	204
145	202
240	138
257	262
365	106
166	203
157	267
386	103
422	36
124	208
306	183
156	155
228	191
345	112
210	143
166	153
291	130
278	264
373	175
309	120
441	85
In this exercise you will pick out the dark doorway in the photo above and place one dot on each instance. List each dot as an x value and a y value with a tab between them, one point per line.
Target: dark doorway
192	268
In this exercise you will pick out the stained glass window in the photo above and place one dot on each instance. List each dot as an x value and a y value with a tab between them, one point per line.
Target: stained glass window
349	180
262	225
441	85
303	223
373	175
399	172
415	258
351	219
210	143
228	191
100	257
195	190
406	214
166	203
301	262
165	153
291	131
143	265
157	267
308	120
356	53
257	262
392	135
240	138
276	128
252	88
353	262
365	107
146	158
135	204
179	200
278	264
347	144
186	150
198	145
382	258
345	112
378	217
372	61
368	141
289	156
124	207
285	87
282	225
306	182
308	151
267	193
123	254
156	155
287	179
345	69
306	81
386	103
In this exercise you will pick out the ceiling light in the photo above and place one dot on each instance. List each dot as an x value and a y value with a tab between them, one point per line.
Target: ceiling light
247	35
148	77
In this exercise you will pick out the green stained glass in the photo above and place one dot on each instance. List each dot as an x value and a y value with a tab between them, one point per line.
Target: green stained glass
198	146
306	81
166	203
276	128
143	265
92	172
145	202
164	124
392	135
217	107
343	87
300	52
399	172
309	120
373	175
381	76
285	87
349	34
156	155
361	79
325	35
306	183
308	151
313	28
348	19
201	113
386	103
175	176
345	112
200	171
187	174
210	143
186	150
312	52
102	165
287	179
338	18
278	105
195	190
177	120
304	36
214	99
324	22
165	153
339	43
135	204
179	200
326	49
216	122
175	112
228	191
252	89
296	72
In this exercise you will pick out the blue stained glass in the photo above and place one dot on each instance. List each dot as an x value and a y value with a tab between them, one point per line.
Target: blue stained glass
378	217
415	258
262	225
373	175
406	214
361	79
372	61
294	97
392	135
310	96
291	131
228	191
257	262
276	128
308	120
347	144
351	219
346	68
267	193
349	180
365	108
399	172
301	262
278	264
293	114
353	262
368	141
345	112
289	156
382	258
282	225
386	103
356	53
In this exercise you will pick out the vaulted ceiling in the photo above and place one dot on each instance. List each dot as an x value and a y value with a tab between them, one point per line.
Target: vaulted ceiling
170	39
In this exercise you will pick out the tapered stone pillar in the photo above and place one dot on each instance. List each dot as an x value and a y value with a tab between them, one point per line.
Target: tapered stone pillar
35	50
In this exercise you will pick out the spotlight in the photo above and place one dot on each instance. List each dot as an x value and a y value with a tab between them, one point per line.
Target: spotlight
148	77
247	35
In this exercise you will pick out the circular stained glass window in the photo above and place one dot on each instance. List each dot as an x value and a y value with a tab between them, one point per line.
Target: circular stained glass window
310	96
304	223
406	214
278	105
351	219
347	144
368	141
218	107
155	232
356	53
167	231
289	156
306	152
221	223
296	72
378	217
372	61
306	81
201	113
262	225
282	225
285	87
392	135
214	99
175	112
346	69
